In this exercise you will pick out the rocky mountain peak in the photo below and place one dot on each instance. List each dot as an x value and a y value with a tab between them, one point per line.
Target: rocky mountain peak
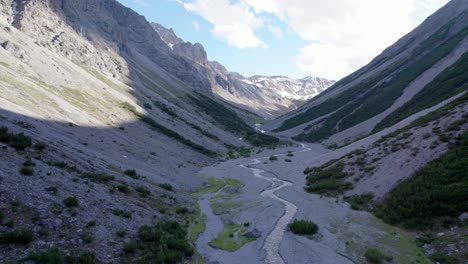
167	35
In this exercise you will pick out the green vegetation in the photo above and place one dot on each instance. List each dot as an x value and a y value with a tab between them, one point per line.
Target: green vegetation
98	177
169	111
16	141
87	237
273	158
142	191
166	186
439	113
17	236
351	108
122	213
132	173
197	226
361	201
450	82
121	233
55	256
435	193
91	224
70	201
231	238
303	227
62	165
123	188
231	121
27	170
376	256
182	210
165	242
328	180
222	203
168	132
214	185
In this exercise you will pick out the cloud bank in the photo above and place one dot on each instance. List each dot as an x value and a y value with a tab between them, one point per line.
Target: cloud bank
342	35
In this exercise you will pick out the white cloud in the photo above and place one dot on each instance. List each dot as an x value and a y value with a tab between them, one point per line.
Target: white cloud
343	35
234	23
346	34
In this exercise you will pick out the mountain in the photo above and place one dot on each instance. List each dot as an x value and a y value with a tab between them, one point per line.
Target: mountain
117	146
96	114
416	72
268	96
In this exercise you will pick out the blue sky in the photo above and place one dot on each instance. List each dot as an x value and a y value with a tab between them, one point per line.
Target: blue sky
296	38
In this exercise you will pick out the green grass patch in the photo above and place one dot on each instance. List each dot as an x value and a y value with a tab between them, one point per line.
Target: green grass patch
231	238
375	256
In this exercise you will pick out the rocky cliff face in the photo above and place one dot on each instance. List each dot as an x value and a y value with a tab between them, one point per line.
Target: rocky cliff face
268	96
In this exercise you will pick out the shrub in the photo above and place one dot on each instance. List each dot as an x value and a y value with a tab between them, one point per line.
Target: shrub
273	157
55	256
130	247
27	170
19	236
122	213
303	227
98	177
131	173
433	193
52	189
51	256
360	202
169	237
91	224
2	215
87	237
182	210
20	141
376	256
62	165
121	233
71	201
327	180
40	146
123	188
142	191
166	186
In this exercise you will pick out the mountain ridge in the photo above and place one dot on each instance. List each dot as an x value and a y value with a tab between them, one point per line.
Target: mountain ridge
268	96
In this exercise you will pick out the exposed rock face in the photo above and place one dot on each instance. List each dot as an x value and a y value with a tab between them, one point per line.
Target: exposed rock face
167	35
82	30
268	96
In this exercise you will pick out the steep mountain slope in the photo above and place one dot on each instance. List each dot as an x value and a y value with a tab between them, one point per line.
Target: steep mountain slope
112	119
357	104
268	96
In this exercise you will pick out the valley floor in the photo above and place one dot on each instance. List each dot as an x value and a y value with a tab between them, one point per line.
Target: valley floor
343	236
